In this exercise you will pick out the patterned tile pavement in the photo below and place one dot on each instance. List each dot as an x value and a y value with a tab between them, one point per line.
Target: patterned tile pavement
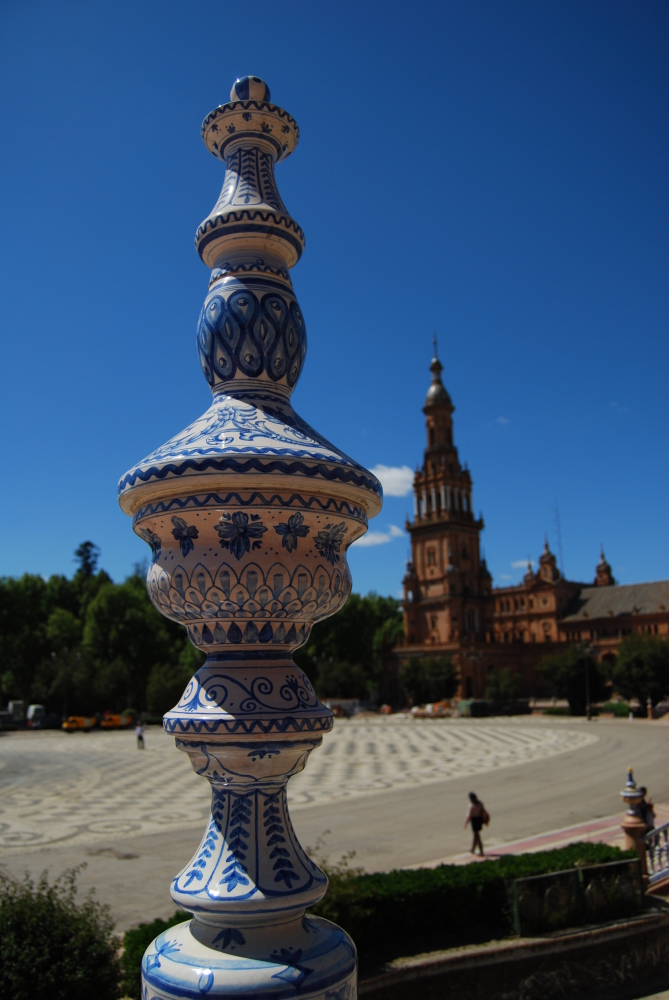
60	789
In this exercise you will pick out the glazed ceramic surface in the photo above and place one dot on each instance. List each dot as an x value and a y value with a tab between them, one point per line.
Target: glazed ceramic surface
248	513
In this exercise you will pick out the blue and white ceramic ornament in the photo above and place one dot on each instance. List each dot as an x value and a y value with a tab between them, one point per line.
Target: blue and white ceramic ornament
249	512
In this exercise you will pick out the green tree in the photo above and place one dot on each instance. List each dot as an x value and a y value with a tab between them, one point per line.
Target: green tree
88	644
356	637
641	668
429	679
125	637
566	672
25	606
168	681
63	630
87	555
503	685
63	679
341	679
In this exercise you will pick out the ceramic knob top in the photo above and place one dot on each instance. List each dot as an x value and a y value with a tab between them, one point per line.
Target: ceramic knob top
249	88
250	135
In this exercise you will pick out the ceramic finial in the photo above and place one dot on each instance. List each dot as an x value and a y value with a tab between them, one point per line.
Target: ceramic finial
249	88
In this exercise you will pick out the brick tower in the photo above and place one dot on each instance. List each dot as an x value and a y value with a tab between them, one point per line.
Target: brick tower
447	582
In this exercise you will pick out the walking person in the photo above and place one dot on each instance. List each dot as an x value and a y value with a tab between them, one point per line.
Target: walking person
139	733
477	816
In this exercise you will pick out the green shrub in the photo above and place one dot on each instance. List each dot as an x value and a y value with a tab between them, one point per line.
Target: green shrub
556	710
619	708
53	948
135	943
404	912
389	914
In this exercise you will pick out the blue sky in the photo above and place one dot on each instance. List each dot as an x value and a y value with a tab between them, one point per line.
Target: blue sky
492	171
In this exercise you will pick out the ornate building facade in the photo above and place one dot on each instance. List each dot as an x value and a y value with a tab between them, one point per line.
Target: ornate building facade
450	605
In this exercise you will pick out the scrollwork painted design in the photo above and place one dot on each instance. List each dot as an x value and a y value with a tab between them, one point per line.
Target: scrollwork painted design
227	691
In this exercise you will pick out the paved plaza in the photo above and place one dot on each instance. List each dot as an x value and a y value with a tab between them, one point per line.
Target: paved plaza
59	788
394	790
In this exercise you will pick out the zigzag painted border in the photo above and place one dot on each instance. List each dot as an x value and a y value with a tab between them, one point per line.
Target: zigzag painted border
266	450
250	215
215	500
247	726
246	105
253	464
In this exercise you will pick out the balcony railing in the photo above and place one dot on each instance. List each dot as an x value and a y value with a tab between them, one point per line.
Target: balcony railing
657	853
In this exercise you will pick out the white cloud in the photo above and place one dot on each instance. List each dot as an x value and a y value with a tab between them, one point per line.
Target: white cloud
380	537
522	563
505	576
396	481
503	421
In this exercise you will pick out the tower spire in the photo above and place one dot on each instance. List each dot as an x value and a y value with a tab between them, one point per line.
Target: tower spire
436	393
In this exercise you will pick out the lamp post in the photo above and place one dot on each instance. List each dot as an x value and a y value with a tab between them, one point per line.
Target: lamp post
249	513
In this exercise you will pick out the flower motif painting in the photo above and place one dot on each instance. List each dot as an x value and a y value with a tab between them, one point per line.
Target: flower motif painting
328	542
291	530
239	533
184	534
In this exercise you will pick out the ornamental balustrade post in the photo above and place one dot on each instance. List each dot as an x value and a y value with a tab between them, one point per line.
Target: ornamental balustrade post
633	826
249	513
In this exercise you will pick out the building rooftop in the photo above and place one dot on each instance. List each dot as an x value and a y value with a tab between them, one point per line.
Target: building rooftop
612	602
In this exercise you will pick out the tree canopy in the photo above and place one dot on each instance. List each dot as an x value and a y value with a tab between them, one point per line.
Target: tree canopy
566	672
343	656
503	685
641	668
86	644
428	679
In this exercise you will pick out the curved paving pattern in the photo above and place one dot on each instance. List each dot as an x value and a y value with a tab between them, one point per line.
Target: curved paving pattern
57	788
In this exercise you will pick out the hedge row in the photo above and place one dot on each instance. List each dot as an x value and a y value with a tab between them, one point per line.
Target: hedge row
404	912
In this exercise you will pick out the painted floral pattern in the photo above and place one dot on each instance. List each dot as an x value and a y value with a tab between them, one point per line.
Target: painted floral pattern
328	541
291	530
184	534
239	533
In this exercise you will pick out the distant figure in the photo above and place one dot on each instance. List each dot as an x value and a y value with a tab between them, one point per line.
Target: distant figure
139	733
477	816
645	810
